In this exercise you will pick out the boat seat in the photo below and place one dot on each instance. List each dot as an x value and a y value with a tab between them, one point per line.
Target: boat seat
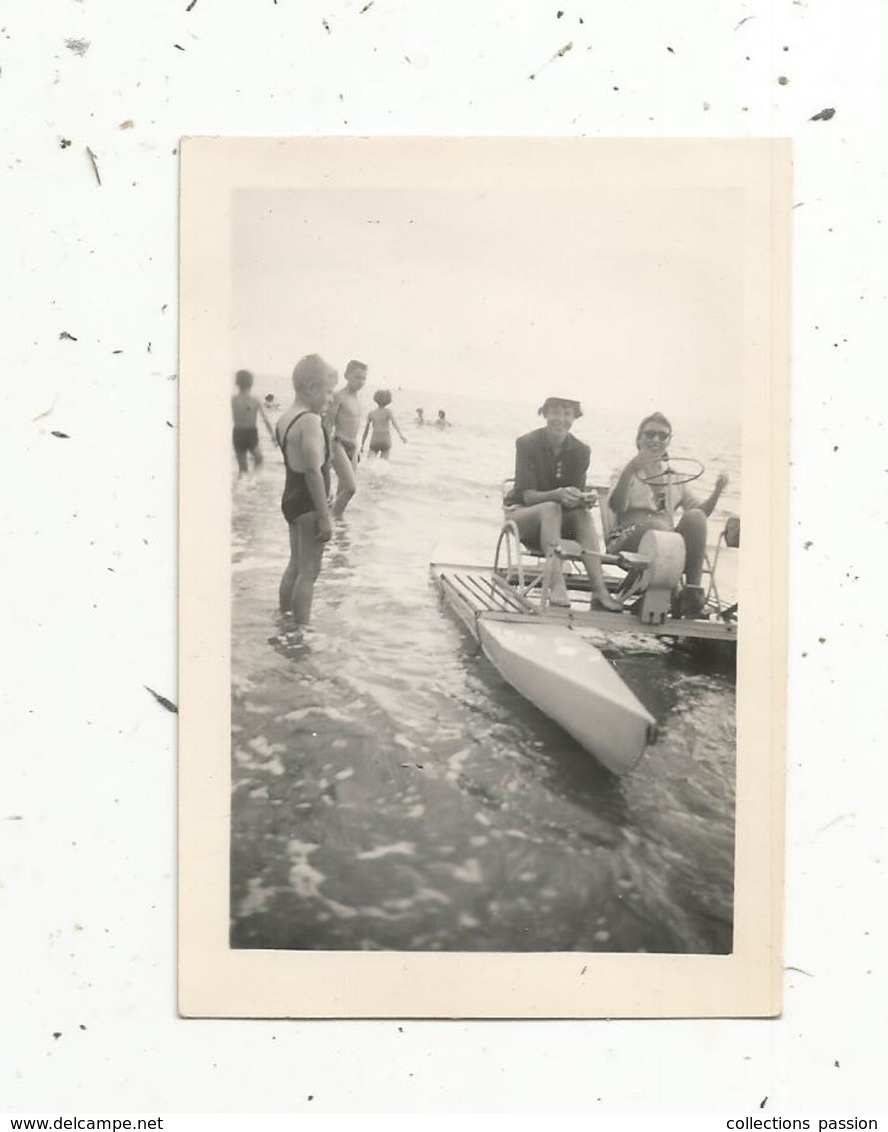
630	559
512	549
568	549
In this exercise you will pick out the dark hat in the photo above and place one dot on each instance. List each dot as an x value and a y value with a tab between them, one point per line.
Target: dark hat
569	401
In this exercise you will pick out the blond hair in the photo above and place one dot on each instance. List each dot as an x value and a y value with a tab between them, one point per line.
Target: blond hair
311	371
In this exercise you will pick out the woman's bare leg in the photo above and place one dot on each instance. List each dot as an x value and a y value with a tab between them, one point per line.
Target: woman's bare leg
541	523
692	528
578	525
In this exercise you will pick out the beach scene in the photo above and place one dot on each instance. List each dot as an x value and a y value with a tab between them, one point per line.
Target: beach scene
390	789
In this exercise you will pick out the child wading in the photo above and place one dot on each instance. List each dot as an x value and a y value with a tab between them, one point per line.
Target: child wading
343	421
306	450
382	421
245	435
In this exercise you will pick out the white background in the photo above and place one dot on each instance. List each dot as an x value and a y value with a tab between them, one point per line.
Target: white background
87	808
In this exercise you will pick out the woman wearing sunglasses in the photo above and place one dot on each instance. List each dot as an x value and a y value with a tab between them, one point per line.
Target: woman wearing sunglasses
549	501
641	506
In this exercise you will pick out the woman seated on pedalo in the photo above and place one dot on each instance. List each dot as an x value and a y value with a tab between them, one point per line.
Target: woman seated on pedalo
642	498
549	501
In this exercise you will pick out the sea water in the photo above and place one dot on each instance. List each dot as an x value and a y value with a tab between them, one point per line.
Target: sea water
391	791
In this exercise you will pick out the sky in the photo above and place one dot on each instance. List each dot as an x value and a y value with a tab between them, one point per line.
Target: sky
631	297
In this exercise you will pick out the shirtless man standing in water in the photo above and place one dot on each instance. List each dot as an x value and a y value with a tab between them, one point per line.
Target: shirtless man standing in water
343	421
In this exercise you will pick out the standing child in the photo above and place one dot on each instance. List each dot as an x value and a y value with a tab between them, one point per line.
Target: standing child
381	420
306	450
245	435
343	422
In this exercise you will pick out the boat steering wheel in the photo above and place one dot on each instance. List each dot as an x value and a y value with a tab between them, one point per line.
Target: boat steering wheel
673	478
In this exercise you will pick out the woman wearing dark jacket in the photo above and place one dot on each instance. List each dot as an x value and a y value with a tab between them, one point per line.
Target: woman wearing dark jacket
549	501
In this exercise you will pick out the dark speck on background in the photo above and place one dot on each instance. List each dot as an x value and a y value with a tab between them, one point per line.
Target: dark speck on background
783	80
191	5
558	54
366	6
326	26
61	435
57	1034
671	50
95	164
64	143
162	700
66	337
823	115
764	1102
178	47
77	46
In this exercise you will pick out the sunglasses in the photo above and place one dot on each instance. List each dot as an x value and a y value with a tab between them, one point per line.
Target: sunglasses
655	434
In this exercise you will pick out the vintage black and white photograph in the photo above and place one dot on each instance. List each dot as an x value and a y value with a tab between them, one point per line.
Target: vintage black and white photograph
485	483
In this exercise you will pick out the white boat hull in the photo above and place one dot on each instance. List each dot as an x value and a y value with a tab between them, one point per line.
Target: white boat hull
573	683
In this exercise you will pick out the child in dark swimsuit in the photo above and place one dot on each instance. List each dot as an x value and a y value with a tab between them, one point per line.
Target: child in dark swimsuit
306	451
381	420
244	410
